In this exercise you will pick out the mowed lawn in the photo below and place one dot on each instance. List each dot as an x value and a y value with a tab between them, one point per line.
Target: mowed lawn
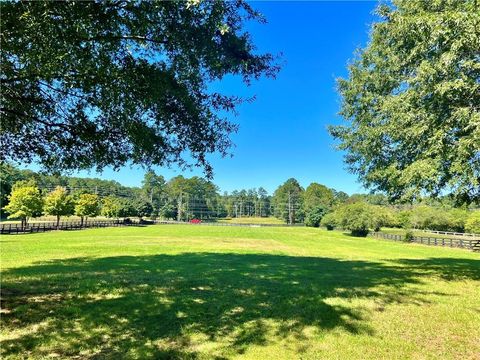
213	292
252	220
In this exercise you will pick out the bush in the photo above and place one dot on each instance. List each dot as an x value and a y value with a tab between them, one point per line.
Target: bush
384	216
329	221
314	216
359	218
435	218
472	225
404	218
457	219
408	236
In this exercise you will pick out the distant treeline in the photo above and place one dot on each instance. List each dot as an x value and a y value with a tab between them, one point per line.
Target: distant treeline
183	199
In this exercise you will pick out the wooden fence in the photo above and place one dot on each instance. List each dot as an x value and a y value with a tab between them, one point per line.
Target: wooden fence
472	244
452	233
63	225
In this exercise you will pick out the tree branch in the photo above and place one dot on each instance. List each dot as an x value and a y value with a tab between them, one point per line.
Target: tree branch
46	123
127	37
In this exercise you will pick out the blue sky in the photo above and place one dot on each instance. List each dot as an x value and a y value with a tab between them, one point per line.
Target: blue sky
283	133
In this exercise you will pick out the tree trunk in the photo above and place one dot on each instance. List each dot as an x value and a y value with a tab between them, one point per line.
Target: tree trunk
58	221
81	221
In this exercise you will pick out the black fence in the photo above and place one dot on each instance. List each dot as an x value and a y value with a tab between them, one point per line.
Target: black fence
472	244
63	225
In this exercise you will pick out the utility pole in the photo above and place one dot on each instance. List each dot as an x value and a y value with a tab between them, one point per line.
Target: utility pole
179	208
290	213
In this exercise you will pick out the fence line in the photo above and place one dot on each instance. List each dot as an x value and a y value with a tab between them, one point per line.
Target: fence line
471	244
452	233
77	225
63	225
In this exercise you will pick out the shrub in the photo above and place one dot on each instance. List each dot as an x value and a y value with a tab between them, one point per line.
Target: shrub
403	218
314	216
359	218
329	221
472	225
457	219
434	218
384	216
408	236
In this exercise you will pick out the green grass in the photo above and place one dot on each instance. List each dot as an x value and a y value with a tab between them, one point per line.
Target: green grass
252	220
212	292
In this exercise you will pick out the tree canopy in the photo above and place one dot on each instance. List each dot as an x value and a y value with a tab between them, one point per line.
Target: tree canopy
87	205
25	201
59	203
412	102
318	195
288	201
95	84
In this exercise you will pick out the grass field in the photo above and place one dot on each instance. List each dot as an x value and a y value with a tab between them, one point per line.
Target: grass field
252	220
212	292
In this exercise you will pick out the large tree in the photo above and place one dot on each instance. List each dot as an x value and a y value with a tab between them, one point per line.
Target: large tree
87	205
153	189
59	203
318	195
95	84
412	101
287	201
25	202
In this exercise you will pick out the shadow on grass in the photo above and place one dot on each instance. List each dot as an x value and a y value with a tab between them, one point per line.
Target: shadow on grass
167	306
445	268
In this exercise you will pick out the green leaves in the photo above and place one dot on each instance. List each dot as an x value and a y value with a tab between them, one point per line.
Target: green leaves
87	205
108	83
412	102
25	201
472	224
59	203
288	201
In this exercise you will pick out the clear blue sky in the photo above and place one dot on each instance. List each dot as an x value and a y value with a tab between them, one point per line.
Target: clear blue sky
283	133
